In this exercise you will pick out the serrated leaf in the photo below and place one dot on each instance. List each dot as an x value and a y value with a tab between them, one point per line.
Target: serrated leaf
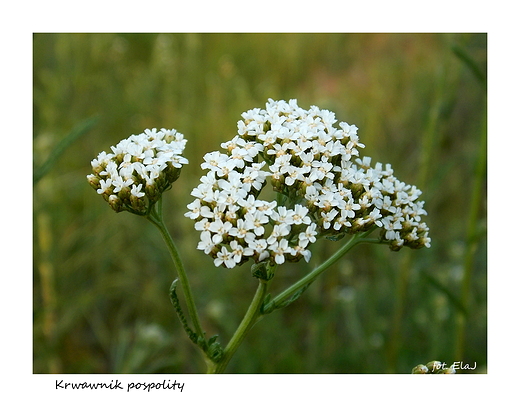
294	297
335	238
268	307
177	306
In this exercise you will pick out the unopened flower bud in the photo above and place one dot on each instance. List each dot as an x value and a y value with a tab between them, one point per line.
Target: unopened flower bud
172	173
93	180
450	370
434	367
138	204
124	194
420	369
115	203
152	192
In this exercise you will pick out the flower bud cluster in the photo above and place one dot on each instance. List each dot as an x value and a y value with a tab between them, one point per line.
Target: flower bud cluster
323	189
434	367
138	170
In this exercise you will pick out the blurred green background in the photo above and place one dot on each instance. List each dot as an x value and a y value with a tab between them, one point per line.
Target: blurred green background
101	279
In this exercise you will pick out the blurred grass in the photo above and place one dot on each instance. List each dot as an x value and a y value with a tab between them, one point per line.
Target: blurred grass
101	279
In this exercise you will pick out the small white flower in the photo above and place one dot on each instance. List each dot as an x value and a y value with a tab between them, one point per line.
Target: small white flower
242	229
178	161
282	216
294	174
136	191
321	169
249	204
328	217
265	207
307	237
258	220
105	184
203	224
341	222
110	170
279	231
206	242
374	216
301	251
412	235
312	195
219	229
237	251
101	161
119	183
258	246
299	215
391	228
194	208
204	192
226	257
279	248
425	240
214	160
327	201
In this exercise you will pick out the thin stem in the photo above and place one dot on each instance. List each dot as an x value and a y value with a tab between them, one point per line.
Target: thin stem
309	278
250	318
155	216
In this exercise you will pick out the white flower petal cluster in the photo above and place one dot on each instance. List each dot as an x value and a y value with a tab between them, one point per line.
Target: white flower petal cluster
139	169
323	189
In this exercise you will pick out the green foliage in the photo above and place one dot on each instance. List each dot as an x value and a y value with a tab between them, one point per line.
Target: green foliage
101	279
60	148
269	307
178	309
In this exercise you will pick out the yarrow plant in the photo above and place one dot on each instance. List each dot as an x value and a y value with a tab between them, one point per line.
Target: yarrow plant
288	178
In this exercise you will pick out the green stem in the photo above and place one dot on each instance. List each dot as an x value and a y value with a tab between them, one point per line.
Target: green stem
309	278
250	318
253	313
155	216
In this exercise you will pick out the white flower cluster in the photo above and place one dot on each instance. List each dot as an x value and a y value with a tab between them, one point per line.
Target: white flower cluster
323	190
139	169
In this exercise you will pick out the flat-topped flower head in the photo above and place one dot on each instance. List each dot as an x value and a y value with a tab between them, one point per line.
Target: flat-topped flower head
138	170
322	187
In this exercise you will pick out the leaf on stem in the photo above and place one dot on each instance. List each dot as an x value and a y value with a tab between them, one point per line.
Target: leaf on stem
268	307
336	237
211	348
176	304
